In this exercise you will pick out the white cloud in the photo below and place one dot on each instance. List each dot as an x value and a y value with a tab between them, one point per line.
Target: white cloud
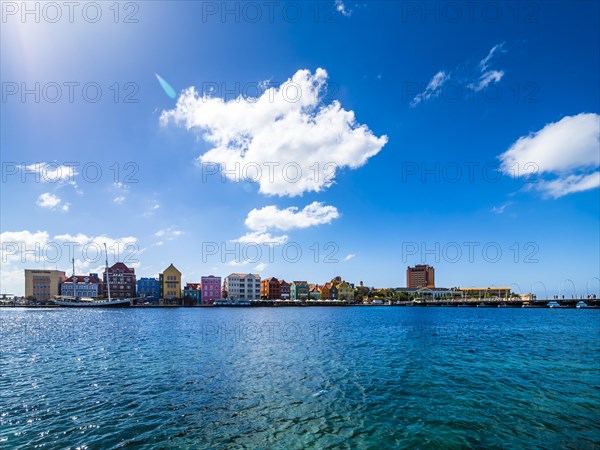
433	88
18	245
484	63
500	209
259	221
290	218
169	233
571	184
49	173
50	201
119	200
285	140
341	8
493	76
235	263
260	267
349	257
567	149
258	237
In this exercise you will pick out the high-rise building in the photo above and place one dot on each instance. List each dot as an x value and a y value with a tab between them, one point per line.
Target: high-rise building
420	276
43	284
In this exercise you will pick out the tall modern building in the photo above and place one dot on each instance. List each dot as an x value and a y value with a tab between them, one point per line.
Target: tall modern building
420	276
242	286
43	284
122	281
211	289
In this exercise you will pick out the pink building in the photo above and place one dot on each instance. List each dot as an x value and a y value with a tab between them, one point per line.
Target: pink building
211	289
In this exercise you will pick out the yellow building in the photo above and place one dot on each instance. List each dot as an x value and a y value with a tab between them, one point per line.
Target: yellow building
345	291
43	284
170	283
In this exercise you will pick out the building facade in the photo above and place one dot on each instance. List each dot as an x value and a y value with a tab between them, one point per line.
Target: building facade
284	289
299	290
242	286
346	291
313	292
170	283
420	276
211	289
192	294
122	281
148	287
43	284
270	289
81	286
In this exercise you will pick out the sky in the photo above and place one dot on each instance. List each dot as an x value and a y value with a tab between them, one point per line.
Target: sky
304	140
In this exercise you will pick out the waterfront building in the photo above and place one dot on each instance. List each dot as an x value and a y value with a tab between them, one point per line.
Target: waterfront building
170	283
333	291
81	286
346	291
324	291
148	287
43	284
284	289
313	292
211	289
299	290
270	289
242	286
430	293
486	292
420	276
122	281
192	294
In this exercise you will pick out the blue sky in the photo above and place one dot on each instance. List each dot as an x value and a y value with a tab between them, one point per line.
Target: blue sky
425	115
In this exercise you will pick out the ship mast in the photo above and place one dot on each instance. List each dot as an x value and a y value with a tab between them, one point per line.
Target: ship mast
107	279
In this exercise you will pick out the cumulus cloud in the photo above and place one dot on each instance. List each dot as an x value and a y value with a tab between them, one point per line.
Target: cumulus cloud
259	221
432	89
119	200
567	150
50	201
290	218
500	209
286	140
260	267
349	257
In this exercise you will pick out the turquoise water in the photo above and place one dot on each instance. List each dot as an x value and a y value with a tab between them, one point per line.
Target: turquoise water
295	378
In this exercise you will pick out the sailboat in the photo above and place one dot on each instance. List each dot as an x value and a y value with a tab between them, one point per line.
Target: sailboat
77	302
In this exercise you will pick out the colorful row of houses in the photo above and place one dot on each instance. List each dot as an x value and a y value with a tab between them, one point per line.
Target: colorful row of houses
168	287
336	289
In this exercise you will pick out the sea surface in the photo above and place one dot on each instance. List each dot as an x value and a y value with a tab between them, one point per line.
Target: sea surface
300	378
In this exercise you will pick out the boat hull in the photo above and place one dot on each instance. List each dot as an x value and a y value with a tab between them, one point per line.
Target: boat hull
123	303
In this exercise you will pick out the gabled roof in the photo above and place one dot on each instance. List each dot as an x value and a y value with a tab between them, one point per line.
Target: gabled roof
171	266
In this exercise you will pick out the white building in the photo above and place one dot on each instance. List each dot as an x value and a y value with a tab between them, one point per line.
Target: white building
81	286
242	286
